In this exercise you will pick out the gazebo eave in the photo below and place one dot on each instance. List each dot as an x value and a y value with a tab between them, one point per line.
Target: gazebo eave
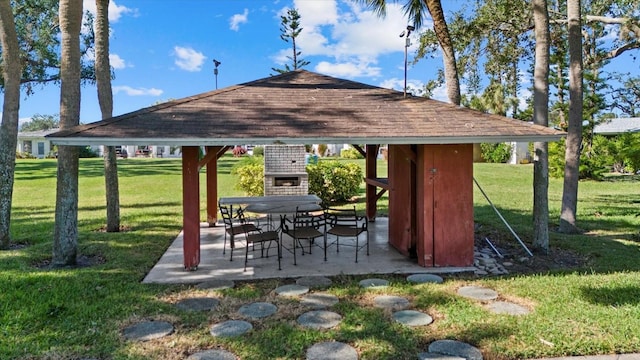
114	141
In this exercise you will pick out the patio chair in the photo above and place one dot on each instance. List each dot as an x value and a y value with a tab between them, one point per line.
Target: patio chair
345	223
261	237
303	226
234	227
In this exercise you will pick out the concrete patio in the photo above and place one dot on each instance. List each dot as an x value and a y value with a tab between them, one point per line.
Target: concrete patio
382	259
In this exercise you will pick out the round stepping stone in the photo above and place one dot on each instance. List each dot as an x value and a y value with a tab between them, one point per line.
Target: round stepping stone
198	304
478	293
258	310
216	285
319	319
425	356
314	282
509	308
391	302
147	330
319	300
424	278
412	318
291	290
455	348
374	283
331	350
230	328
213	355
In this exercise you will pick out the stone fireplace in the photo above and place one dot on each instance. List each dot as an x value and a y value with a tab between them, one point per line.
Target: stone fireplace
284	170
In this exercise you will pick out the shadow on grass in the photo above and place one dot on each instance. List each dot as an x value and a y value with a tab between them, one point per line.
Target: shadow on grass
612	295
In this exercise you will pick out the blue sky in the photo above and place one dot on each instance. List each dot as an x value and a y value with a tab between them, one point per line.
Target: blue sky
163	50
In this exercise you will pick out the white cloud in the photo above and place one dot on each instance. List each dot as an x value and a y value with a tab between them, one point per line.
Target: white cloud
414	87
115	11
116	61
188	59
237	19
353	36
137	92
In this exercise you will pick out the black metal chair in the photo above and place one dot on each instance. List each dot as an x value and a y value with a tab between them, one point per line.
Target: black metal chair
234	227
344	223
303	226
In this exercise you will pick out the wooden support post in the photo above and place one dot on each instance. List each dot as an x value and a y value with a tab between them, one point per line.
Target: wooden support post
190	207
212	185
371	169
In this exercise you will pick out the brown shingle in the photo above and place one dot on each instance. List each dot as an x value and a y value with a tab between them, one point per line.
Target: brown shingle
303	107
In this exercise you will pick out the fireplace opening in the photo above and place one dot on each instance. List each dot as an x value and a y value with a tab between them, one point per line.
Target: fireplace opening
286	181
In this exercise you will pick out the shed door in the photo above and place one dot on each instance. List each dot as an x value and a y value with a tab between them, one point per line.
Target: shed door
444	205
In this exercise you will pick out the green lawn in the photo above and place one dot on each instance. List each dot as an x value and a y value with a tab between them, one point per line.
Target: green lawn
79	313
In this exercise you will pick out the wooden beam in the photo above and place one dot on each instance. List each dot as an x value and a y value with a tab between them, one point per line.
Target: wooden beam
371	173
190	207
223	150
212	186
408	152
380	193
360	150
382	183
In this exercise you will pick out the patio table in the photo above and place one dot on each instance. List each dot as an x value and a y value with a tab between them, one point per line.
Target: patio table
275	204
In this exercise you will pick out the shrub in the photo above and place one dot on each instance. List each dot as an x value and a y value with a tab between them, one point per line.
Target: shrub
333	181
250	174
24	155
258	151
593	164
351	153
87	152
496	152
322	149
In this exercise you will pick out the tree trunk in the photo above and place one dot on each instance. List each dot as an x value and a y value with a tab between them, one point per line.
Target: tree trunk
541	117
574	131
448	53
105	98
11	71
65	237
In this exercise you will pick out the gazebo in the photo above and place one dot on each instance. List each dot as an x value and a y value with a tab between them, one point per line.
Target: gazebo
430	149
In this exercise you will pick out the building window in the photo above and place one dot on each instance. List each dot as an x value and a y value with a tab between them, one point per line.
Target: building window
40	148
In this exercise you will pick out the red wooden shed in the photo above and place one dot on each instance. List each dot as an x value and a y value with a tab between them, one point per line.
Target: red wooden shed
430	152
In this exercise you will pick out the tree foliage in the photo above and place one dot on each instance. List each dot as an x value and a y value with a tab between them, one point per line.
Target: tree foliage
289	31
41	122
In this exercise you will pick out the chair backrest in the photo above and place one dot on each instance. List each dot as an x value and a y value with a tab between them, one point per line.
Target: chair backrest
226	215
344	217
305	218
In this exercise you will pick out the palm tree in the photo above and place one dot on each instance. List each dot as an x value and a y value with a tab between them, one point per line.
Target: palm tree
65	237
11	72
541	117
105	98
415	10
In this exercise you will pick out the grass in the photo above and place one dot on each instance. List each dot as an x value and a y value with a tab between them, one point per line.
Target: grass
79	313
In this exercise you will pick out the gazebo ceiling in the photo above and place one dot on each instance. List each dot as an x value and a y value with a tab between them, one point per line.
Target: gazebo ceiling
302	107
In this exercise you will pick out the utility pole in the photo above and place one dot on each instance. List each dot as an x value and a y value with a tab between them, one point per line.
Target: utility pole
216	63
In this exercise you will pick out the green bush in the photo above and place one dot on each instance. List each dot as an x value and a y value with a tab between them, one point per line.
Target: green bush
351	153
24	155
333	181
626	152
593	164
250	174
87	152
496	152
258	151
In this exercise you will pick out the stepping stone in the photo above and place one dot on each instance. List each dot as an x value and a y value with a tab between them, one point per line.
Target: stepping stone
198	304
478	293
455	348
319	300
391	302
291	290
258	310
331	350
213	355
216	285
374	283
425	356
319	319
412	318
314	282
230	328
509	308
424	278
147	330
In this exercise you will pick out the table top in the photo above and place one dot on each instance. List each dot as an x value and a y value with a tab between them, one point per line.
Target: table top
291	200
276	208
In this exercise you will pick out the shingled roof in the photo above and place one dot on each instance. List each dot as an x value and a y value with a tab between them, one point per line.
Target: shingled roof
303	107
